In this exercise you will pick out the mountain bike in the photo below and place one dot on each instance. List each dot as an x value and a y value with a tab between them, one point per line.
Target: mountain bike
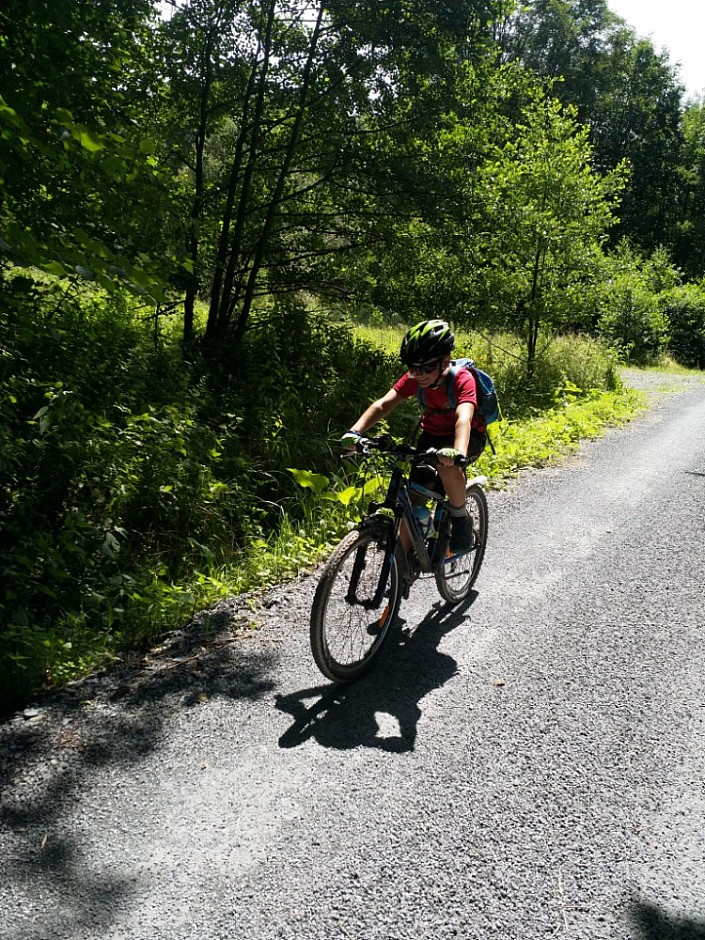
368	573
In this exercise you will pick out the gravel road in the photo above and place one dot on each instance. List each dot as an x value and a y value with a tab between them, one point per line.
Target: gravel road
528	765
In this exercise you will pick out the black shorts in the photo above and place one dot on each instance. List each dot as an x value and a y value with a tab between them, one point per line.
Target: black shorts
428	477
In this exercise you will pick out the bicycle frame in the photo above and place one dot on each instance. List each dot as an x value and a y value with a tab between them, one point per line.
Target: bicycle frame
398	500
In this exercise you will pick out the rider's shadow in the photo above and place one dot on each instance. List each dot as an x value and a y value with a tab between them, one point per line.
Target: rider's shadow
382	709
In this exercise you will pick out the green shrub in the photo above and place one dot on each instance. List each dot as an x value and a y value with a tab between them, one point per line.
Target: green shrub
303	379
684	308
575	361
634	323
127	475
108	478
630	316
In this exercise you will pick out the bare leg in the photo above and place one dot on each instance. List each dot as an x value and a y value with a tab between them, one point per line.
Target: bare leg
405	537
453	479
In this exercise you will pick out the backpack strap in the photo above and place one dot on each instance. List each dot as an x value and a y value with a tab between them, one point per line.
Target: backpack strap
450	394
450	386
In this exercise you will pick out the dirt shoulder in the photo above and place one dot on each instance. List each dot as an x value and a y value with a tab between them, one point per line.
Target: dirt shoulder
655	382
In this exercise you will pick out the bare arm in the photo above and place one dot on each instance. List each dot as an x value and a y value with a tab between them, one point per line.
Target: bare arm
463	424
453	478
378	409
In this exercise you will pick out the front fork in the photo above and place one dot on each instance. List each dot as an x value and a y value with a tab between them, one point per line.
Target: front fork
391	538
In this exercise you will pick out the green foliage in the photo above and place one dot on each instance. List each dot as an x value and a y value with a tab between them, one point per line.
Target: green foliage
547	214
684	309
630	315
81	189
632	320
625	91
532	442
542	439
299	375
133	488
689	238
574	360
109	481
384	167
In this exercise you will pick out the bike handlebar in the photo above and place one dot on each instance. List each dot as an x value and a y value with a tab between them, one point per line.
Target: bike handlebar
384	444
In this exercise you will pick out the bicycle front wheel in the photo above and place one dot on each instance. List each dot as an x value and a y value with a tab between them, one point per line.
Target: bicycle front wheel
456	574
347	630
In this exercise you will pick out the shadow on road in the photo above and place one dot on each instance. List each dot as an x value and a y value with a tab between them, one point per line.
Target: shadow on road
119	716
382	709
655	924
53	752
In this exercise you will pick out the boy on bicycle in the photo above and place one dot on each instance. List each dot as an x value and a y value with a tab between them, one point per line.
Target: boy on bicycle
454	432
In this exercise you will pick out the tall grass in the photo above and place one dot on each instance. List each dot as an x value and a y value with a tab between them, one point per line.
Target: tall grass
576	361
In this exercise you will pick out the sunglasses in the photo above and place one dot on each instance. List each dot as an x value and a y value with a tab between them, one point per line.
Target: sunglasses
424	368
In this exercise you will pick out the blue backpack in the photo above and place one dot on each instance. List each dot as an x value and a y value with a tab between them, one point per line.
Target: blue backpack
487	402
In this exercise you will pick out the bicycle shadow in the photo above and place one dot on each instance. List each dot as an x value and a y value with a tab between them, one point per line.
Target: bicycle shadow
654	923
381	710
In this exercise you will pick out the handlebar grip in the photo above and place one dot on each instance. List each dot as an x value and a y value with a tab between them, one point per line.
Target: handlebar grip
431	457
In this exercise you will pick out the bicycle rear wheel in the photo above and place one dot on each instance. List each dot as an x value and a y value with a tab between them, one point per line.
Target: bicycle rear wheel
456	574
347	631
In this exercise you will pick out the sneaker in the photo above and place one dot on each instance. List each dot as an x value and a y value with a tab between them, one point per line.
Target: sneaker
461	535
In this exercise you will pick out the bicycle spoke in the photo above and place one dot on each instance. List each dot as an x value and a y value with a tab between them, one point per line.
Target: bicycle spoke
346	630
457	574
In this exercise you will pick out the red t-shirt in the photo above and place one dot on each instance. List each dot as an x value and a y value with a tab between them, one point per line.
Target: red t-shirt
436	419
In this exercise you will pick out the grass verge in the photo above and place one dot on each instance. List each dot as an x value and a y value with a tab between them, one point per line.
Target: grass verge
546	438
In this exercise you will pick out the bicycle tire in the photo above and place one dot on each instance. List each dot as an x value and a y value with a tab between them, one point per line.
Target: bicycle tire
345	634
456	574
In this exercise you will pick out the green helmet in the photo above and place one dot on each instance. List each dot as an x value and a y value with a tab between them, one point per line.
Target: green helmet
430	339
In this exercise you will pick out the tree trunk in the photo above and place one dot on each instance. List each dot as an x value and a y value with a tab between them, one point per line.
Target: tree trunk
534	318
236	275
197	205
230	250
275	201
